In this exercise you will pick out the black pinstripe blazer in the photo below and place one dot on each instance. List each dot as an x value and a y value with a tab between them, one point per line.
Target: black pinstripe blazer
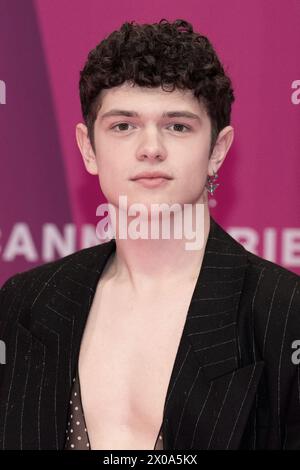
233	383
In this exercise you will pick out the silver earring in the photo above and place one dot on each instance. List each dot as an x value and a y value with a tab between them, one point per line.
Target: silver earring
211	186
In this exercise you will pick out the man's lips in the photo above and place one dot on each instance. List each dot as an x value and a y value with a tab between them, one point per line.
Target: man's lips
151	175
152	182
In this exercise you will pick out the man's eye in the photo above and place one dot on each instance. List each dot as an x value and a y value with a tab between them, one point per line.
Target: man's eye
178	128
121	126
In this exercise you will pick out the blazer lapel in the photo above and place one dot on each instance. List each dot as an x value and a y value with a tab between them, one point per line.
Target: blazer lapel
68	306
209	396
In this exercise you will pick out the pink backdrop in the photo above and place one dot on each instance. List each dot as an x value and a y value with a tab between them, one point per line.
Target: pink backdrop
48	201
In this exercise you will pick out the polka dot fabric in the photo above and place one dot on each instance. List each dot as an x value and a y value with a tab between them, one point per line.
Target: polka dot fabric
76	433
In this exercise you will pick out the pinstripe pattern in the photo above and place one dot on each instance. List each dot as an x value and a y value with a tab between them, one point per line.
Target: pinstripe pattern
232	385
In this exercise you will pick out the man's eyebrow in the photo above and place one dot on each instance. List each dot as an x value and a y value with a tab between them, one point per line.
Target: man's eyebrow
169	114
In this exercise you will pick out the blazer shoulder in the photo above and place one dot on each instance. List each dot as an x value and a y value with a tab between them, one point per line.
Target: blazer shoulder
22	281
274	295
270	268
273	284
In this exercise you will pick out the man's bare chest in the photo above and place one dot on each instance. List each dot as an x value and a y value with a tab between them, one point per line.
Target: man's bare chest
126	359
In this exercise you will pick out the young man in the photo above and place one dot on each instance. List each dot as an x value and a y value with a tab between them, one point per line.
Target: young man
174	348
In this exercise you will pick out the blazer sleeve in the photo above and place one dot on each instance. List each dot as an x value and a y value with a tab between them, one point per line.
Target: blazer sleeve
292	419
8	296
274	329
292	428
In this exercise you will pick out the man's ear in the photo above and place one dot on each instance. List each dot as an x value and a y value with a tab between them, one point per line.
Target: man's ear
222	145
86	149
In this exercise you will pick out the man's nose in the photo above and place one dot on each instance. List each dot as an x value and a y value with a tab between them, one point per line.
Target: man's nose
151	146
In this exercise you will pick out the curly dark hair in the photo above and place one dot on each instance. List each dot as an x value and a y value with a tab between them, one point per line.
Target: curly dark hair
170	55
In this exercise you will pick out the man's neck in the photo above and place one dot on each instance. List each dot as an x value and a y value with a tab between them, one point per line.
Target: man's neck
152	263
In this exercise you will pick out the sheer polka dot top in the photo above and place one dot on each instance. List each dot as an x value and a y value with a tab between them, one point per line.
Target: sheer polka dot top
76	433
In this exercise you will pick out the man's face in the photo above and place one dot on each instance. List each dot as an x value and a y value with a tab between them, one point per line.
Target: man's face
150	140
